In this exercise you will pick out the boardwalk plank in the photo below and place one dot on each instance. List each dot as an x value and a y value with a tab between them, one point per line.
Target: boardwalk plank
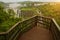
37	33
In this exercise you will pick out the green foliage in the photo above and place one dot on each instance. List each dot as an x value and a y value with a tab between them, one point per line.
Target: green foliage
51	11
7	20
11	13
28	12
1	5
6	25
3	14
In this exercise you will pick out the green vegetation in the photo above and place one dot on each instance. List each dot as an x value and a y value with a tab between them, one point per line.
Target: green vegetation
28	12
7	20
28	8
52	11
48	10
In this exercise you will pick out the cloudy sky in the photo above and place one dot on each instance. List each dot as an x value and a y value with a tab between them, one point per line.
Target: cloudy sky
30	0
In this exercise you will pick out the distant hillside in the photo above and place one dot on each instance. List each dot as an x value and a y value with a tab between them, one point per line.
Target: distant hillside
3	4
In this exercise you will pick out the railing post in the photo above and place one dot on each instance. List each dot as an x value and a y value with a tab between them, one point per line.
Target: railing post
36	20
50	26
6	38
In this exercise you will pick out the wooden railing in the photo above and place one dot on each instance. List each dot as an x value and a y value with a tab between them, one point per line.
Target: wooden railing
52	25
23	26
55	29
44	21
18	28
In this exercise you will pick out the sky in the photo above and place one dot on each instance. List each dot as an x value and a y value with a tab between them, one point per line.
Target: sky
30	0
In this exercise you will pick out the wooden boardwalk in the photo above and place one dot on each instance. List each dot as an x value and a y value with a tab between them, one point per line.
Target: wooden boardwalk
37	33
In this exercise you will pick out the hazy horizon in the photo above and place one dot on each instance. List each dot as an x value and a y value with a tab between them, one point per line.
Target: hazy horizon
30	0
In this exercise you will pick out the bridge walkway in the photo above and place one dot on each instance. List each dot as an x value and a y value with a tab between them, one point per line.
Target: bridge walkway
37	33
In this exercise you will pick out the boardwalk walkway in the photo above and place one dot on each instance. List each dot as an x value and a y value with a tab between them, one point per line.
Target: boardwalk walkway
37	33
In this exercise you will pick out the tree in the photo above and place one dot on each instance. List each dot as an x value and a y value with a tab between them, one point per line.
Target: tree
3	16
11	13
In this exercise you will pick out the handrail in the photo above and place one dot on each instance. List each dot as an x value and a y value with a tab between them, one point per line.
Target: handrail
44	20
15	25
18	28
6	34
56	24
53	26
55	29
19	22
